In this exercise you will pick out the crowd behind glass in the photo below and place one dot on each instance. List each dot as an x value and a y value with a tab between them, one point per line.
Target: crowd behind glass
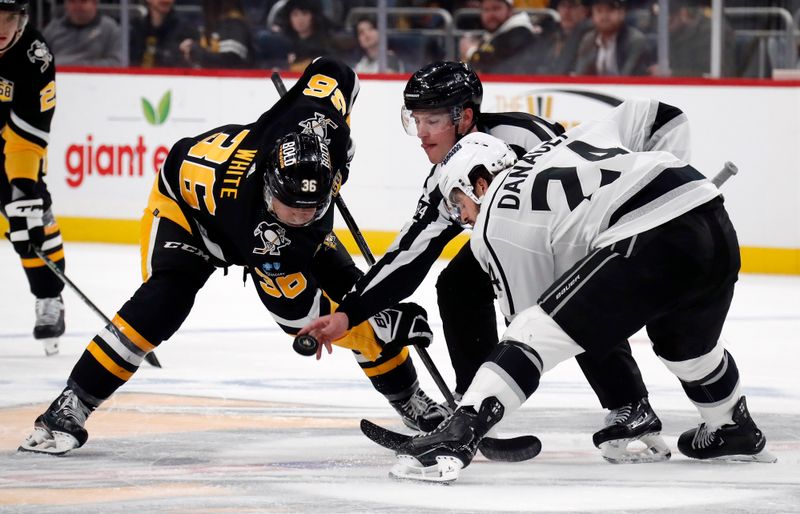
531	37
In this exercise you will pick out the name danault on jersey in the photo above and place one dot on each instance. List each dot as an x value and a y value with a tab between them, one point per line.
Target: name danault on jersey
518	174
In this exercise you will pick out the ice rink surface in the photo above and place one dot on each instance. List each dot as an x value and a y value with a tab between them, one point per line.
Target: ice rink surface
237	422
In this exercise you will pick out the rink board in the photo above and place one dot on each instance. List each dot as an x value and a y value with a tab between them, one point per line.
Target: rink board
112	130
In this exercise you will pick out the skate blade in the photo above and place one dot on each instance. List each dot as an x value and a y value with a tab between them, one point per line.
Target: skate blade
42	441
764	456
445	471
50	345
619	451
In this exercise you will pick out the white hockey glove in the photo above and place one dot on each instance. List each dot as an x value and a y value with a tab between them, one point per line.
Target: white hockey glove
26	221
404	324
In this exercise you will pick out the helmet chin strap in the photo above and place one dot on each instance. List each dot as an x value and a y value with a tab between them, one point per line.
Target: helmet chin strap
456	122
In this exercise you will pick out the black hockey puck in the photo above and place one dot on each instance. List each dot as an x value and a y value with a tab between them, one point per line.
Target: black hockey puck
305	345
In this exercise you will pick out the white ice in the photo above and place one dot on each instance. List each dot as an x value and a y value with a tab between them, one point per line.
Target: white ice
237	422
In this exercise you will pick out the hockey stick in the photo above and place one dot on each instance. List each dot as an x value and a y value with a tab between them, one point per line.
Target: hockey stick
365	251
150	357
728	170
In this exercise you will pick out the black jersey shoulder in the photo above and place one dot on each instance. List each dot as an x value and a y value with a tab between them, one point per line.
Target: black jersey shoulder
522	131
30	59
536	124
27	87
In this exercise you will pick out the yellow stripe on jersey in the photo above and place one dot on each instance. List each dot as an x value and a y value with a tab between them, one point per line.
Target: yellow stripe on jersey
35	262
165	207
23	157
388	365
105	361
131	333
145	229
362	339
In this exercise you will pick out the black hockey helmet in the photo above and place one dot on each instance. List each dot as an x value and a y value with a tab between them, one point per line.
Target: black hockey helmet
299	174
443	84
447	85
13	5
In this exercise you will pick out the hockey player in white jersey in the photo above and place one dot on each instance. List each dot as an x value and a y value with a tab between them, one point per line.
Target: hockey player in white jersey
633	240
441	104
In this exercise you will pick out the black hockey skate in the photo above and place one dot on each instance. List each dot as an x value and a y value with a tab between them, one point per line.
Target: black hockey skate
739	441
49	324
60	429
632	422
440	455
419	412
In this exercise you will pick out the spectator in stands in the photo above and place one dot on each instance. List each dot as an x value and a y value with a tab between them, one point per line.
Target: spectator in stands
507	37
690	41
84	37
308	33
558	50
612	47
155	37
225	39
368	42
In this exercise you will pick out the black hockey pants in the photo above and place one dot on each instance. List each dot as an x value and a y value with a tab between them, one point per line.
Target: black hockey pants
466	305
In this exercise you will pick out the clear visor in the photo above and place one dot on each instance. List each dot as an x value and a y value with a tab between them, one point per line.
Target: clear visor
422	122
22	20
455	202
294	216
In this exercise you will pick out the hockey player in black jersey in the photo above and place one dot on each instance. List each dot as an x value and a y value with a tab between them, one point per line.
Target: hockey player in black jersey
441	105
634	240
256	196
27	104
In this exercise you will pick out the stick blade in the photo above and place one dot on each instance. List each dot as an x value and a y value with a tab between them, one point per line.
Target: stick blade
152	360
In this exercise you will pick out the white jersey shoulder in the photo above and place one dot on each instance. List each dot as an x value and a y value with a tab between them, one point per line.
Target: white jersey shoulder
586	189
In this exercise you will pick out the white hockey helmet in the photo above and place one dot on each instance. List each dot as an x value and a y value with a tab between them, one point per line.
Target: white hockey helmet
461	166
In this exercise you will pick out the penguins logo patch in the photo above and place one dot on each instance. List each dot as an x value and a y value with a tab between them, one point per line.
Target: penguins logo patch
273	237
39	52
318	125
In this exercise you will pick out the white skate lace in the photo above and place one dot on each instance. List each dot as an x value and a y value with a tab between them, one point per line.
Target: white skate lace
420	404
48	310
69	405
703	438
618	416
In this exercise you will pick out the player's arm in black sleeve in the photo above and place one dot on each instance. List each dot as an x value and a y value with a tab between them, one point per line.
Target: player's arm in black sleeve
334	268
403	268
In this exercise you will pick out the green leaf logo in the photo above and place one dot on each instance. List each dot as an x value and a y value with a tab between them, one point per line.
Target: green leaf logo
150	114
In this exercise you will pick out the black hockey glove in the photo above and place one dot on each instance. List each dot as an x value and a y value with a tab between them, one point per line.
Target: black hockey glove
25	219
404	324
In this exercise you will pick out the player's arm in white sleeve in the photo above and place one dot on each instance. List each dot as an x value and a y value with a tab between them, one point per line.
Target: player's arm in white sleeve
649	125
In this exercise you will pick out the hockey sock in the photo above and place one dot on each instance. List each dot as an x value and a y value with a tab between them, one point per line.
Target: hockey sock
711	382
43	282
393	375
109	361
511	374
